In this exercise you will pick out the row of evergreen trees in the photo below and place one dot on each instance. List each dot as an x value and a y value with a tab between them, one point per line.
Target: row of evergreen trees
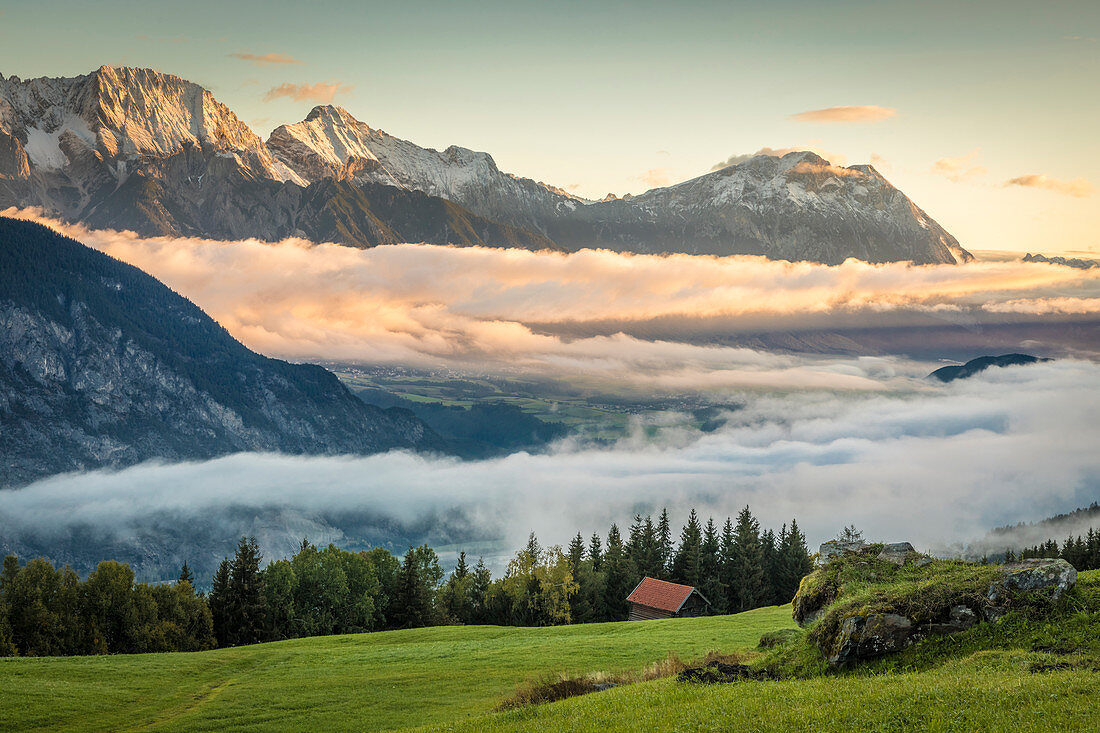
1082	552
328	590
48	611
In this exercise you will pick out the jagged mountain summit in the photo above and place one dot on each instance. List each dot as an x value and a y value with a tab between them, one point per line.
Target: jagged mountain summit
142	150
146	151
101	365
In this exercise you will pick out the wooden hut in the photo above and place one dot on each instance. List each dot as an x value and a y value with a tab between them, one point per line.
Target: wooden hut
654	598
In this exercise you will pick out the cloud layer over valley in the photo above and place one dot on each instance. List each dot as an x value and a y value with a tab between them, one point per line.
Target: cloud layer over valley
933	465
570	314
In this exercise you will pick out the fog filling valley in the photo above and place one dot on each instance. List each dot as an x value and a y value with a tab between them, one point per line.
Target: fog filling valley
831	440
935	465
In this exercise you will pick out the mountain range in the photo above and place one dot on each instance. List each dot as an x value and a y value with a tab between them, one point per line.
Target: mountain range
101	365
138	149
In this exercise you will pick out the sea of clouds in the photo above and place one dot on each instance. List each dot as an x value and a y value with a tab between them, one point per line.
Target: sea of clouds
935	466
830	440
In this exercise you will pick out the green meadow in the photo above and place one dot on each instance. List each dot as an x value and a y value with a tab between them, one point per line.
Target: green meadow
378	681
1026	673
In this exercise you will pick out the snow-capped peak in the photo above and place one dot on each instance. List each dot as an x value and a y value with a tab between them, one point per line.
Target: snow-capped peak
119	114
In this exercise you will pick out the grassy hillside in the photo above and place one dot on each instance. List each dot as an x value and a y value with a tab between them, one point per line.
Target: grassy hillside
1036	672
990	691
364	682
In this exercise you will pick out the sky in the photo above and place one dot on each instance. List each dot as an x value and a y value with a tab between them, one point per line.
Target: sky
984	113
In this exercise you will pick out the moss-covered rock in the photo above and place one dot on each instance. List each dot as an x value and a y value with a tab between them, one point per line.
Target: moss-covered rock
860	605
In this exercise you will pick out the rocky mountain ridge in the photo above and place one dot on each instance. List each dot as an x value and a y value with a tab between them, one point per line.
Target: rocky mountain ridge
103	366
151	152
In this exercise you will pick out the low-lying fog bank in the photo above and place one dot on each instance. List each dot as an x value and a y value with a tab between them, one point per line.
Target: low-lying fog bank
933	464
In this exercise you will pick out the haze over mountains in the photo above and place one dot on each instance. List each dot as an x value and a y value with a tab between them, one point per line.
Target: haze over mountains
142	150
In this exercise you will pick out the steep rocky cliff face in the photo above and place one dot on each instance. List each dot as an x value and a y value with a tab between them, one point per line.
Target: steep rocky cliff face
102	365
138	149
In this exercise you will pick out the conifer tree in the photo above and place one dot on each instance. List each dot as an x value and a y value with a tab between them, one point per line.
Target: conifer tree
710	584
651	554
595	552
186	576
479	592
461	570
246	614
797	563
412	608
635	543
771	565
617	576
747	572
664	545
218	600
576	553
687	564
725	566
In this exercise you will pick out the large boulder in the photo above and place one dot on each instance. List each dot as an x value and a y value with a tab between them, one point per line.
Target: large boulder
900	553
839	548
867	637
1052	577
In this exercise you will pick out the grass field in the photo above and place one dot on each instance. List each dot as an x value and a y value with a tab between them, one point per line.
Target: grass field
1037	672
375	681
992	691
1022	674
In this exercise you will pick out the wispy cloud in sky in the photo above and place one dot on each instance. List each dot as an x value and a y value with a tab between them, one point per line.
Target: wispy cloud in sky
321	92
1078	187
847	114
960	168
266	58
656	177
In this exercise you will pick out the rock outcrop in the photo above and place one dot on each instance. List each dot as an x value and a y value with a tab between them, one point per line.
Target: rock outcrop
849	629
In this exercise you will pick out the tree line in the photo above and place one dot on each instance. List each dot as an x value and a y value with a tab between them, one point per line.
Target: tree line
327	590
48	611
1082	552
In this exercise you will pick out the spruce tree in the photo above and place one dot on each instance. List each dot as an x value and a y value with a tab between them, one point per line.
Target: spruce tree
725	566
747	572
246	613
595	552
576	554
411	605
664	545
479	593
687	563
461	569
651	552
635	543
617	577
218	600
186	576
710	583
797	561
772	565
